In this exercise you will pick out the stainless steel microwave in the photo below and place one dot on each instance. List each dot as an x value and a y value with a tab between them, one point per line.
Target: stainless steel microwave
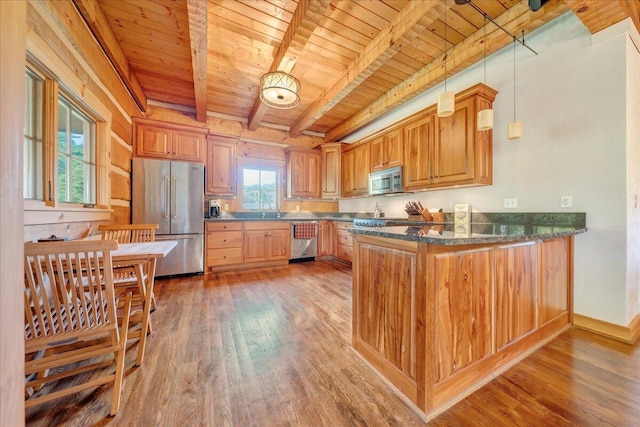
386	181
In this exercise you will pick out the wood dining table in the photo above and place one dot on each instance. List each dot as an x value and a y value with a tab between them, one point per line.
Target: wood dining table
142	256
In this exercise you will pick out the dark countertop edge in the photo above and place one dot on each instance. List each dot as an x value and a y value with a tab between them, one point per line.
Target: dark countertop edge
468	240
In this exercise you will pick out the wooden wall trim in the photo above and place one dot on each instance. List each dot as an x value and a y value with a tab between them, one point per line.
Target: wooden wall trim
628	334
13	28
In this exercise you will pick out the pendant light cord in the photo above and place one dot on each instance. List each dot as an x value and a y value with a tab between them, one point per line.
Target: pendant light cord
446	56
485	50
514	80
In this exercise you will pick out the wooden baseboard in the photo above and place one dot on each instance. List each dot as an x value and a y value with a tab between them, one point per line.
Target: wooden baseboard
628	334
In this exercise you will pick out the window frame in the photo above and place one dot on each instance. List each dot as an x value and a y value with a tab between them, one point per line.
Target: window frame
60	80
275	166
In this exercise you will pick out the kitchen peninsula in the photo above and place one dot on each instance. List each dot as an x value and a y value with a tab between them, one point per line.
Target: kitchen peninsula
439	313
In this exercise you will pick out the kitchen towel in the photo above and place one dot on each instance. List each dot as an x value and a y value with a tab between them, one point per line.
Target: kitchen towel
304	230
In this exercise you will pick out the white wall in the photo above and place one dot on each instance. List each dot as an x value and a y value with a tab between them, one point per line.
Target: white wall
633	176
570	99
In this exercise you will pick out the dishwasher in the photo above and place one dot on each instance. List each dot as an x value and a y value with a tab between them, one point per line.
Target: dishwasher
304	240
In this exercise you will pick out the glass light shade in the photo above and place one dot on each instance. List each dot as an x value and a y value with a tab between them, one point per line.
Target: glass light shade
485	119
280	90
446	104
514	130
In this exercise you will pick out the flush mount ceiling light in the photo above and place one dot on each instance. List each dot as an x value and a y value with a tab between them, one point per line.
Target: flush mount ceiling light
280	90
446	100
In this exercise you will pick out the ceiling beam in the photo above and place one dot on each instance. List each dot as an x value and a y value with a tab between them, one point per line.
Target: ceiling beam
99	26
597	15
399	32
197	11
460	56
307	16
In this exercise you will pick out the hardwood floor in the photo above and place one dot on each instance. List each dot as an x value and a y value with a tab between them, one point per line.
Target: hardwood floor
271	347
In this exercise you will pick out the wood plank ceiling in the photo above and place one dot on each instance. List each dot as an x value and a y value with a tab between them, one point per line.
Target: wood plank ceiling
355	60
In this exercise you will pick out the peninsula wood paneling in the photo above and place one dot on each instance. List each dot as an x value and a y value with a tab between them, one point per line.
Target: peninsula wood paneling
516	291
555	271
464	303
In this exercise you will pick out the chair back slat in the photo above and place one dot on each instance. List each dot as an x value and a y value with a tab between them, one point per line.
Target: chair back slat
129	233
68	289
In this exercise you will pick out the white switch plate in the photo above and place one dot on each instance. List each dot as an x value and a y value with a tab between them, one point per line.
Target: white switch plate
511	203
566	201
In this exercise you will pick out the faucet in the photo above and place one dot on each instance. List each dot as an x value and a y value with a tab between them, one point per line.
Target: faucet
278	213
262	214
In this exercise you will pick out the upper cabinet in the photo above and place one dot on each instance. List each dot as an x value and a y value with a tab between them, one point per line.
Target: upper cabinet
331	159
303	173
447	151
386	150
220	166
169	141
355	171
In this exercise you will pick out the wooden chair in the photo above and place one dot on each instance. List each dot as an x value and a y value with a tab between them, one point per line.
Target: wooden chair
126	276
70	319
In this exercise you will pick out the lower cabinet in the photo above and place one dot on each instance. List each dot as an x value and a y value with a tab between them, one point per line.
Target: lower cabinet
344	241
224	244
267	241
326	238
439	320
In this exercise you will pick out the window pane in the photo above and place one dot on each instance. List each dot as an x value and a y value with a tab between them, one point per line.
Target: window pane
33	172
76	155
259	190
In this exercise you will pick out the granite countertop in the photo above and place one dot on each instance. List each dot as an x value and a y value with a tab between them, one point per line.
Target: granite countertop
476	233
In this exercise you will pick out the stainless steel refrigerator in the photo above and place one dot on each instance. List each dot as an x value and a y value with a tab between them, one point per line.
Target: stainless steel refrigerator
171	194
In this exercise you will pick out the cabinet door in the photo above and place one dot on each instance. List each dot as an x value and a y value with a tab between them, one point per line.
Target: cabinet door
393	149
348	184
221	167
313	175
153	141
463	282
516	291
188	146
361	169
555	280
326	238
255	245
454	145
376	151
330	164
297	165
279	244
418	140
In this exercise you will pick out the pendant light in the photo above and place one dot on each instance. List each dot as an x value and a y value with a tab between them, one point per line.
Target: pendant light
280	90
485	117
446	100
514	129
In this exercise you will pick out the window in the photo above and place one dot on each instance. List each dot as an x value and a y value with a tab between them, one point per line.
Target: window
259	188
33	138
60	159
76	155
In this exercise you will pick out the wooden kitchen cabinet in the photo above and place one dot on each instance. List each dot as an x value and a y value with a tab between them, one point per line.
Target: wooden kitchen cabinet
224	244
303	173
447	151
326	238
344	241
355	171
267	241
556	263
386	151
220	166
169	141
331	165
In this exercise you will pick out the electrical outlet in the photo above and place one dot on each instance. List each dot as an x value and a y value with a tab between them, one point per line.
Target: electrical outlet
566	201
511	203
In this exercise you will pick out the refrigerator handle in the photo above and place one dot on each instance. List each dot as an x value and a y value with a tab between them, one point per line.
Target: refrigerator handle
173	198
166	196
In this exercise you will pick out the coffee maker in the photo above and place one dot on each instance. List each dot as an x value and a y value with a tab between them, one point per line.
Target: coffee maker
214	208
